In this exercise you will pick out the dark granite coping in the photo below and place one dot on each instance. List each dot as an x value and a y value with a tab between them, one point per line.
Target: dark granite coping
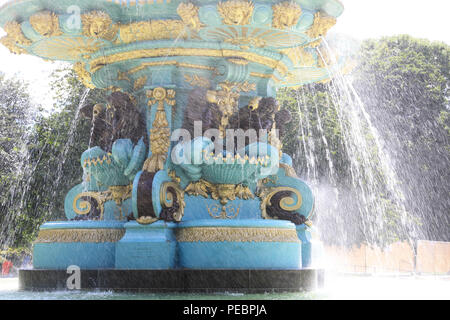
177	280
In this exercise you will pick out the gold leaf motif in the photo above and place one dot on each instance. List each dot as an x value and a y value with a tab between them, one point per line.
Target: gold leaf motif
140	82
285	14
160	132
222	192
152	30
46	23
236	12
197	81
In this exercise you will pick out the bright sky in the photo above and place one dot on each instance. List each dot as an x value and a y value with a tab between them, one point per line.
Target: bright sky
361	19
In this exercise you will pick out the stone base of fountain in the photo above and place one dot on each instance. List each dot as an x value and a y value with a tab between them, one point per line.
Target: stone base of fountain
183	281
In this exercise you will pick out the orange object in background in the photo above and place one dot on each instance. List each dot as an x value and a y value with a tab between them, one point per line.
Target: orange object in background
6	267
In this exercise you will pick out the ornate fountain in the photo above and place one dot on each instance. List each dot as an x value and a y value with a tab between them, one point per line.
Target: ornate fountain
166	201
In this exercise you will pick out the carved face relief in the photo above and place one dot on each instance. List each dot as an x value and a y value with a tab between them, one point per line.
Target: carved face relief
46	24
98	24
285	15
236	12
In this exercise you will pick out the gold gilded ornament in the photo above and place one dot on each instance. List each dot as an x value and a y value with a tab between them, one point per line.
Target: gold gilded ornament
188	12
167	192
160	132
140	83
222	234
152	30
285	15
228	100
287	203
222	192
146	220
236	12
99	25
116	193
14	38
217	211
83	75
300	57
197	81
79	235
46	23
322	23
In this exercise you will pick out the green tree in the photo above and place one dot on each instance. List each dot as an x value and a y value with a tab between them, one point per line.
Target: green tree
404	82
53	166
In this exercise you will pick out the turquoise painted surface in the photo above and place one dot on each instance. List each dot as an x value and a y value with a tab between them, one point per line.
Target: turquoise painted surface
84	255
240	255
147	247
305	237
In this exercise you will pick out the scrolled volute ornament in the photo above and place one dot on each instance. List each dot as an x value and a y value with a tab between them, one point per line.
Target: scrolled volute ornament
172	202
89	206
282	203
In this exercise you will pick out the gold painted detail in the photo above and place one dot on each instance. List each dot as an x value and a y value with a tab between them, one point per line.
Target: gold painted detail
167	199
123	75
287	203
146	220
322	23
274	139
217	211
83	75
246	43
228	99
222	192
236	12
290	172
188	12
116	193
99	25
79	235
46	23
152	30
222	234
300	57
100	62
172	174
169	63
285	14
160	132
197	81
140	83
99	160
14	37
238	61
269	179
